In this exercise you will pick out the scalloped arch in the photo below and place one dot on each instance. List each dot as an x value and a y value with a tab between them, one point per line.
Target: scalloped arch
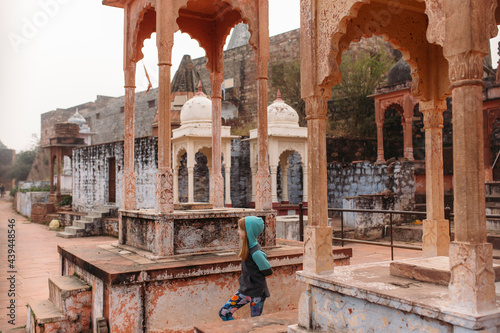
140	32
340	41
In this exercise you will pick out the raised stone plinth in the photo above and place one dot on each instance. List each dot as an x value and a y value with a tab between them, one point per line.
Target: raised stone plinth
367	298
433	270
138	294
194	231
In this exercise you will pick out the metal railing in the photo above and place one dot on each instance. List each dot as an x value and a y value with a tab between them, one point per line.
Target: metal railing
448	214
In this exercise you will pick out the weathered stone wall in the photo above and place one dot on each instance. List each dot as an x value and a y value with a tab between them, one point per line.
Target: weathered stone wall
24	201
364	178
91	174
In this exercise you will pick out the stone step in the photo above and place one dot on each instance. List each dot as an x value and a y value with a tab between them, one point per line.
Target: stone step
82	224
44	312
79	232
268	323
64	234
61	288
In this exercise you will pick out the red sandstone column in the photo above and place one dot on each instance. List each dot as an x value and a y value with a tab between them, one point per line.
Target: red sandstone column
472	283
51	166
318	235
216	179
436	239
380	133
129	180
164	41
263	199
408	128
59	161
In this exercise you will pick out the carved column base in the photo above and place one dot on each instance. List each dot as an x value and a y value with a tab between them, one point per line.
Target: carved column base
263	190
129	197
472	284
164	190
164	239
436	238
318	257
217	190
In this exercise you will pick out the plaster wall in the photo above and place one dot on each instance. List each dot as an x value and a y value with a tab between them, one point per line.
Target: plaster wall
365	178
27	199
335	312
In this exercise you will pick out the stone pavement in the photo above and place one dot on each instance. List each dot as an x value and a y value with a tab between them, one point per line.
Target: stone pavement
36	259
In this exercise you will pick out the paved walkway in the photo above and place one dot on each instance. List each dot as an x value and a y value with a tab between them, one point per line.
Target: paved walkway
36	258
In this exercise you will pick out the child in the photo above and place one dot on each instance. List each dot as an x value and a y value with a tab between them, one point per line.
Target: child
254	269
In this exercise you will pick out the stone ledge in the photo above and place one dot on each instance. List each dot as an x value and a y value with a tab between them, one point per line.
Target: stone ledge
374	284
46	312
433	270
115	265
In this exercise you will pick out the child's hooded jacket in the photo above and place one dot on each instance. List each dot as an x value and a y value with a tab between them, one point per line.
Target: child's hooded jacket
255	269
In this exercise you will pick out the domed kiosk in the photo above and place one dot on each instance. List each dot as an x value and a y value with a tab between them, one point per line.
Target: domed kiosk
195	135
286	137
396	95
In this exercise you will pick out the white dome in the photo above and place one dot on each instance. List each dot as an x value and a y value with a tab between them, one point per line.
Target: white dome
197	110
77	118
280	113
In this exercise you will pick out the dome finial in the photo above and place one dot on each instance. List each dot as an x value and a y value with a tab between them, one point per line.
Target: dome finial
200	90
278	97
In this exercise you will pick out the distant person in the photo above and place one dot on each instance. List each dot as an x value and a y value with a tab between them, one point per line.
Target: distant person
2	190
254	269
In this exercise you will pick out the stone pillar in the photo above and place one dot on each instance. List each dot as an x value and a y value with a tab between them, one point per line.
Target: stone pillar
472	284
254	177
305	183
274	183
190	184
379	119
284	183
436	238
176	185
318	256
408	139
129	179
488	170
51	166
216	180
59	171
164	41
228	201
263	198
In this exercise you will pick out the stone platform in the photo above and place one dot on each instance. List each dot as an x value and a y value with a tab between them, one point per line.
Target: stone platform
138	294
367	298
433	270
189	231
267	323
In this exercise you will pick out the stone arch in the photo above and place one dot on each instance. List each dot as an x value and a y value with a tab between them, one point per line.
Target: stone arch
142	18
367	18
393	133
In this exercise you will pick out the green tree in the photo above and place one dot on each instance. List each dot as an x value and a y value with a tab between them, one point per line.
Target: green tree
285	76
353	111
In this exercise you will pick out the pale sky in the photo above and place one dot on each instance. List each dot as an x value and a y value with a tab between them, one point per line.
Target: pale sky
61	53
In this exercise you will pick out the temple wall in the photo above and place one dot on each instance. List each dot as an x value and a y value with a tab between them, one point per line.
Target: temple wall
365	178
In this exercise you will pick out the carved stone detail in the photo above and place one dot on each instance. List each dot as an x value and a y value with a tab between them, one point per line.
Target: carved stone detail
270	232
318	257
472	284
466	66
433	118
129	197
436	28
164	190
435	239
217	190
263	199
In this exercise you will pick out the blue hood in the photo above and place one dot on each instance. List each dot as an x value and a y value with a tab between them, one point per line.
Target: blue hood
254	226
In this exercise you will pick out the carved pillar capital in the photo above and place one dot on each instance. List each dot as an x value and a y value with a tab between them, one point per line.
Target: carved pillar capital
316	107
466	68
433	113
